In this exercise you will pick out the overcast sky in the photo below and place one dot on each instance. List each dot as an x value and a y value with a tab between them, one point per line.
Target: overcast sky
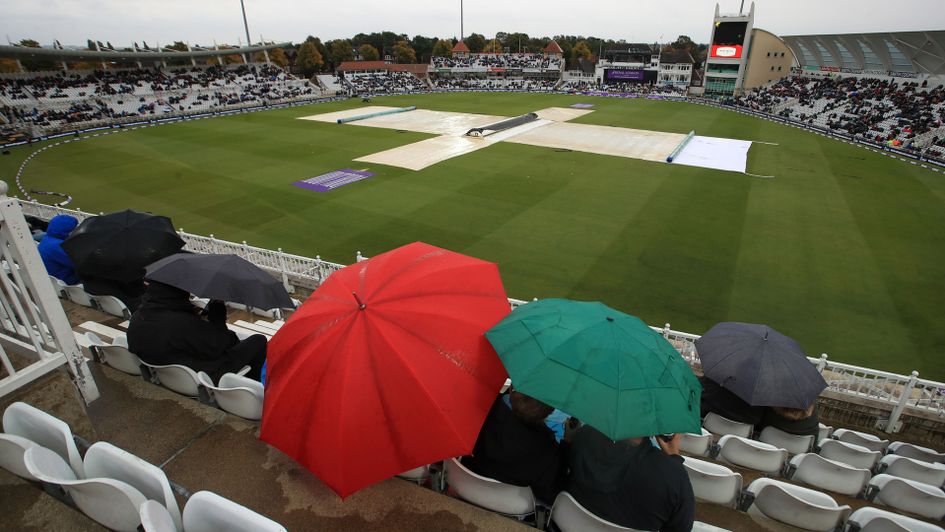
202	21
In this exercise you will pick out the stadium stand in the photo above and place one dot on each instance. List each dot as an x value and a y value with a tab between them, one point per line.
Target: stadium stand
49	103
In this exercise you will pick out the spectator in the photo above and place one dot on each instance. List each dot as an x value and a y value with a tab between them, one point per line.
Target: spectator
792	420
129	293
57	262
516	447
631	482
717	399
167	329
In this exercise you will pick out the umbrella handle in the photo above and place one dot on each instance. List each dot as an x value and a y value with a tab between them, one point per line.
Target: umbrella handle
361	304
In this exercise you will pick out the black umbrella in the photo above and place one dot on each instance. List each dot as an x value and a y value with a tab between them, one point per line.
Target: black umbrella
224	277
119	245
760	365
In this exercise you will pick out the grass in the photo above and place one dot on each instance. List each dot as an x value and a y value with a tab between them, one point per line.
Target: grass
844	250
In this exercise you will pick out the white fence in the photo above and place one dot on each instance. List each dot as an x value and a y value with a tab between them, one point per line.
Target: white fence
899	392
34	324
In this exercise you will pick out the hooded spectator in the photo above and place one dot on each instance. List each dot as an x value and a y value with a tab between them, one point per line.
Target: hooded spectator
57	263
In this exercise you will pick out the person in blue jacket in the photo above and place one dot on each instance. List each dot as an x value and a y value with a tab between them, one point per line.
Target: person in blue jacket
57	263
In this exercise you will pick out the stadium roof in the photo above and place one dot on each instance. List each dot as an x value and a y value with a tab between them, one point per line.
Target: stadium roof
460	47
915	52
66	54
553	48
676	56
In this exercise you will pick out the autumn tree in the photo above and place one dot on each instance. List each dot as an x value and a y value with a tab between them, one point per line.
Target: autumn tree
368	52
443	48
493	47
581	51
308	60
404	53
8	65
340	51
278	58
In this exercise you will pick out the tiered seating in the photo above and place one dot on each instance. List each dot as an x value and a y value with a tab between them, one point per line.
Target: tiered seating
495	84
384	82
111	486
504	61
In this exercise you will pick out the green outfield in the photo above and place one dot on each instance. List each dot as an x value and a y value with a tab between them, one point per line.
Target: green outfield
844	249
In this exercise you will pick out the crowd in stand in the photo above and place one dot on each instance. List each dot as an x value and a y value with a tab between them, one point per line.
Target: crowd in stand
496	84
896	113
512	61
384	82
68	100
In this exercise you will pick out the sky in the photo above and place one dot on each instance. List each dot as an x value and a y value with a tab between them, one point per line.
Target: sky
205	21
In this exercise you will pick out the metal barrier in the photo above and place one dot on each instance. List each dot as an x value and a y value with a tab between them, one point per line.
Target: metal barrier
34	325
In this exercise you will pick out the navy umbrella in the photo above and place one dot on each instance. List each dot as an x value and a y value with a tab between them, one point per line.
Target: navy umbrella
760	365
223	277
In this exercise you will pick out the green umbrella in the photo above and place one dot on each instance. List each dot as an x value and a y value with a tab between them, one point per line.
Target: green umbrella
607	368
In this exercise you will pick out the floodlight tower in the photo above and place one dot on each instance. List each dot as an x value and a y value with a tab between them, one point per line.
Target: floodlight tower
461	29
245	24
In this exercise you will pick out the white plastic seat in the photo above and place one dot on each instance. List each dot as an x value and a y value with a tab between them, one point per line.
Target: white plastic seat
916	452
116	354
722	426
517	501
111	503
104	460
156	518
869	519
697	444
752	454
907	495
176	377
236	394
819	472
823	431
59	286
713	482
699	526
862	439
796	506
848	453
78	295
21	419
12	448
793	443
208	512
569	516
114	306
417	474
905	467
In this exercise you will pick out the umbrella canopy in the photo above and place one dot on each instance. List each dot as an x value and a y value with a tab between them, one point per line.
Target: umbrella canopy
385	367
119	245
760	365
224	277
607	368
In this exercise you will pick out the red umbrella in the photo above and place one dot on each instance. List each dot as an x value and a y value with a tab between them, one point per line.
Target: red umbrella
385	367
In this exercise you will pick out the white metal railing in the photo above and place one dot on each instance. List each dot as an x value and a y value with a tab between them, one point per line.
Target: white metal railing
899	392
32	321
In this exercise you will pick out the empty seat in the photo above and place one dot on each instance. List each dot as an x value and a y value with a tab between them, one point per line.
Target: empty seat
111	503
104	460
21	419
823	431
722	426
907	495
176	377
713	482
869	519
569	516
78	295
236	394
115	354
208	512
516	501
796	505
916	452
905	467
12	448
697	444
699	526
793	443
848	453
417	474
156	518
829	475
112	305
751	454
862	439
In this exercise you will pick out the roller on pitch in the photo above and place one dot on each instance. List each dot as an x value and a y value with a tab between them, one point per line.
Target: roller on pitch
502	126
376	114
682	145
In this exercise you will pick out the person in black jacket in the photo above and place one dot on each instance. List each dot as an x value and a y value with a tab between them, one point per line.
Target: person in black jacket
516	447
792	420
631	482
168	329
723	402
